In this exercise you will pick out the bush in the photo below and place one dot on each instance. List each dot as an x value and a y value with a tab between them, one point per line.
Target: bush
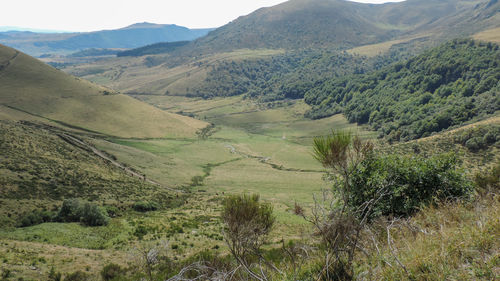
54	276
408	183
36	217
70	211
489	181
77	276
111	272
89	214
247	222
93	215
146	206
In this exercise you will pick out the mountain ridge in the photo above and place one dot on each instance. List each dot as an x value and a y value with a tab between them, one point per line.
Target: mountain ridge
132	36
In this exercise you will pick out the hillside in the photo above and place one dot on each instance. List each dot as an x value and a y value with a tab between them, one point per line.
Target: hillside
132	36
443	87
31	86
302	42
40	168
296	24
342	24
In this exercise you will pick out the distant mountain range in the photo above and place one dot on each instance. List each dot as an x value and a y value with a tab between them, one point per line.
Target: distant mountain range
132	36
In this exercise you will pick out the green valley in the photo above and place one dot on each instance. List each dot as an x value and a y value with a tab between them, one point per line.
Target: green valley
310	140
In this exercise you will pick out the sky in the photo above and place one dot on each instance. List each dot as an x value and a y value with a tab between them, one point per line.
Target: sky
92	15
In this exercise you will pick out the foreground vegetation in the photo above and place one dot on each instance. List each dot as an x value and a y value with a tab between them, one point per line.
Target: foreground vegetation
139	227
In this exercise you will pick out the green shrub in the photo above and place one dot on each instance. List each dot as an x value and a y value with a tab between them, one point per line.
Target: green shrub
89	214
146	206
36	217
112	272
489	181
77	276
247	223
70	211
93	215
54	276
408	182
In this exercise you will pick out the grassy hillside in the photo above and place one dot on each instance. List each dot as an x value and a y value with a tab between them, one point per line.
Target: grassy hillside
443	87
160	74
29	85
298	24
490	35
39	169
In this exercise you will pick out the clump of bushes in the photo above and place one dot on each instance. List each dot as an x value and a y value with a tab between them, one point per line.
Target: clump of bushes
112	272
479	138
146	206
489	181
37	217
77	276
406	183
72	210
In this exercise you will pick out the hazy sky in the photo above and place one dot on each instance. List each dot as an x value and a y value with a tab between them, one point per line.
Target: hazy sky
90	15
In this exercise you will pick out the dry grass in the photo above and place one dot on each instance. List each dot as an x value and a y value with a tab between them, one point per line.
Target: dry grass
455	241
33	261
490	35
378	49
31	86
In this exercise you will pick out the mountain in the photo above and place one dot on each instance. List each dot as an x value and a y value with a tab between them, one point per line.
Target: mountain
341	24
30	87
298	24
132	36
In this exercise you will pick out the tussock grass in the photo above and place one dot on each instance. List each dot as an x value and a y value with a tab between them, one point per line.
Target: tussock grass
453	241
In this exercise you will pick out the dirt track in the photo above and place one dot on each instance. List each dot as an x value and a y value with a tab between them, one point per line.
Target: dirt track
81	144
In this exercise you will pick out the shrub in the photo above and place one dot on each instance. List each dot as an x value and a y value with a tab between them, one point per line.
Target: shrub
36	217
408	182
146	206
93	215
247	221
89	214
77	276
489	181
111	272
70	211
54	276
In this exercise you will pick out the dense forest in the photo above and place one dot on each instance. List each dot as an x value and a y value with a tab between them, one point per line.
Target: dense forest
286	76
157	48
440	88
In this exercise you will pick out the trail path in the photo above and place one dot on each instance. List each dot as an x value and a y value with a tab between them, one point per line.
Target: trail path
83	145
5	65
265	160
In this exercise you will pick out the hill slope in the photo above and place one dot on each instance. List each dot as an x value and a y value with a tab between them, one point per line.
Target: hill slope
340	24
29	85
443	87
